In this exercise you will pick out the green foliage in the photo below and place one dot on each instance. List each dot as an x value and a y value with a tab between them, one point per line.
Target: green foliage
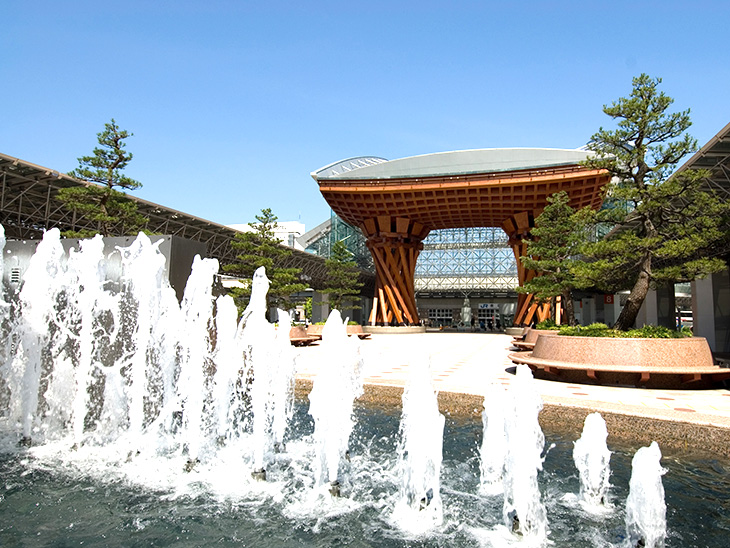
670	235
602	330
548	324
308	308
648	141
655	332
261	248
108	208
555	241
592	330
669	225
342	278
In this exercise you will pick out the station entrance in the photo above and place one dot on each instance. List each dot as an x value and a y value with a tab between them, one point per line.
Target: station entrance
397	203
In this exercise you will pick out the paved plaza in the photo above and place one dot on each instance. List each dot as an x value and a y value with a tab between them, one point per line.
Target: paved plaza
465	363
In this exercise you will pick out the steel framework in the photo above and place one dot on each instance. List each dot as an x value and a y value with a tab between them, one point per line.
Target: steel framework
468	260
337	230
28	207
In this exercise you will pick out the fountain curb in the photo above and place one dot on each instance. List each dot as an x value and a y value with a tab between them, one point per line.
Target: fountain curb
394	330
559	416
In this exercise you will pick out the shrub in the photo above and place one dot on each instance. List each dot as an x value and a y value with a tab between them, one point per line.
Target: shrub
654	332
592	330
646	332
548	324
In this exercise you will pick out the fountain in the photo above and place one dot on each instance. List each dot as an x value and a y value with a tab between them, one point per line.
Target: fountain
146	338
646	523
524	512
34	333
336	386
419	507
494	442
141	419
269	370
591	457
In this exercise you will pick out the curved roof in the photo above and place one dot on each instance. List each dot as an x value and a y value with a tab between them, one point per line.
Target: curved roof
459	162
338	169
459	189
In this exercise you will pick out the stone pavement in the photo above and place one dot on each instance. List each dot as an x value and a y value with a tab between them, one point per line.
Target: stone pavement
465	363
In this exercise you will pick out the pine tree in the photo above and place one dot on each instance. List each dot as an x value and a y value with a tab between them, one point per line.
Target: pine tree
553	250
342	278
110	210
258	248
669	223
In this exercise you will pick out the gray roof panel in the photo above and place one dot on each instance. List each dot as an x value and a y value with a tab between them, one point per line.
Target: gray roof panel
459	162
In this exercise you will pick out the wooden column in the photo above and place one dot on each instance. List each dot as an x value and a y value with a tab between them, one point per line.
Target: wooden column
518	228
395	243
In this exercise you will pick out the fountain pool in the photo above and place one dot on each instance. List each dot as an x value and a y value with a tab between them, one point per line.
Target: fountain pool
50	496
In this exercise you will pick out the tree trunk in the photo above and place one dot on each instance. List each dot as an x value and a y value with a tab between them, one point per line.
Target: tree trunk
627	318
553	309
567	302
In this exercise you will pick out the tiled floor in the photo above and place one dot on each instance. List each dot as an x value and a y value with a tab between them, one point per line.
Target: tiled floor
467	363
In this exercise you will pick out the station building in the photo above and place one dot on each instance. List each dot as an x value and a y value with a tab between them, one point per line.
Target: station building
474	259
443	231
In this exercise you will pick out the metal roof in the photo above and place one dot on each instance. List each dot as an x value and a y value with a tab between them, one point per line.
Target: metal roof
714	156
458	162
28	207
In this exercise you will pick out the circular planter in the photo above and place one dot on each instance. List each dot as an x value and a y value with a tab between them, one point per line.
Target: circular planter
357	330
394	330
651	363
531	336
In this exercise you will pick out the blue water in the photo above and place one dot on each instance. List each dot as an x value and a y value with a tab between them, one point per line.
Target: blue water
47	502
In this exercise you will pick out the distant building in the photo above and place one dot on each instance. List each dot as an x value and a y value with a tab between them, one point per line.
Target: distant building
286	231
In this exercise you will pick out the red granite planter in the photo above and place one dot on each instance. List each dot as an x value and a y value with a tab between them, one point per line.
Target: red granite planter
651	363
316	330
530	338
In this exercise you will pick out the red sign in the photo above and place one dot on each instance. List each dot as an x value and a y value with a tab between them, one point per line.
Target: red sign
608	299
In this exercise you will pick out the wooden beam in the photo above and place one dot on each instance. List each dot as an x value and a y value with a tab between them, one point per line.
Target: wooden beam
389	282
530	312
384	223
399	274
383	307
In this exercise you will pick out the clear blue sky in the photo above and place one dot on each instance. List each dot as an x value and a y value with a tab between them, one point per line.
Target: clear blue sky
233	103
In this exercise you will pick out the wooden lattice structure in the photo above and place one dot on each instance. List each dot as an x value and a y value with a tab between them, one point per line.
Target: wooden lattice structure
397	206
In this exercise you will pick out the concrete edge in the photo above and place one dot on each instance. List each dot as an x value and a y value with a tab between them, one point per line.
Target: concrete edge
386	330
563	417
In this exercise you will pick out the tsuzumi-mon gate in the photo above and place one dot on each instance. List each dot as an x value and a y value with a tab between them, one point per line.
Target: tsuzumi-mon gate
397	203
